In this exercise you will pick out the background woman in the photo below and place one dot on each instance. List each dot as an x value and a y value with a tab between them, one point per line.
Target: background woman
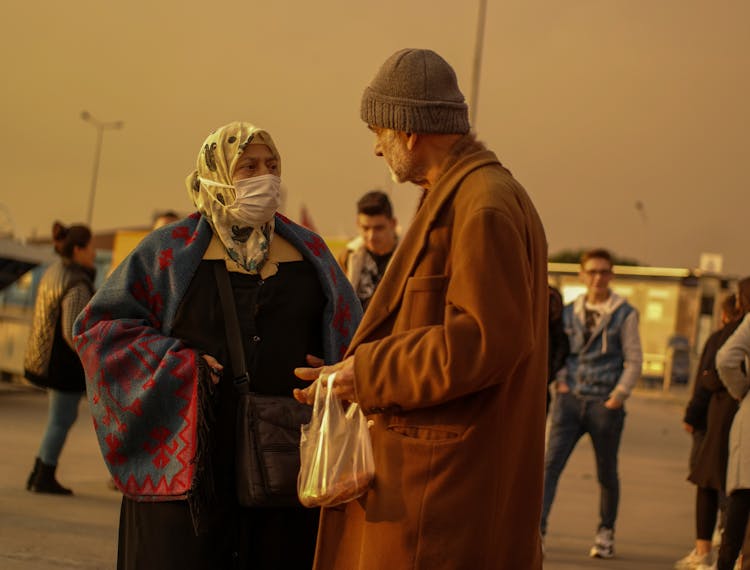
154	347
708	417
50	360
731	361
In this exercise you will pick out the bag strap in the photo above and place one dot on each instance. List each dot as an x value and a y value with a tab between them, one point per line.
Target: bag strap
232	328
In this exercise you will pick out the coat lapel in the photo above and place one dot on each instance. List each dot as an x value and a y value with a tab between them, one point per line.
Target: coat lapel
390	292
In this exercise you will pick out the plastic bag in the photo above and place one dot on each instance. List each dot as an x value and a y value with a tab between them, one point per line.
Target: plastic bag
336	463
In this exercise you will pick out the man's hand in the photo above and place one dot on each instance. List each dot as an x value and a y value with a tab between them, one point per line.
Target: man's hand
613	404
343	386
562	387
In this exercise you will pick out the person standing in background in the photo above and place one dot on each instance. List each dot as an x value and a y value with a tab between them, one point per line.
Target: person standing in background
600	372
366	257
50	360
164	218
731	362
708	418
558	347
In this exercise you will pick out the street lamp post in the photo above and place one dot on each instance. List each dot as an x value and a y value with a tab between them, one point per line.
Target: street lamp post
477	69
100	127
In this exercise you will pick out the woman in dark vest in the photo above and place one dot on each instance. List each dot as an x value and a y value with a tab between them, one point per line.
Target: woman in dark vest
51	361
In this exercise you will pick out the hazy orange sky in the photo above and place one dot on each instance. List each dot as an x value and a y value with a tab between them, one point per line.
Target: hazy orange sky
594	105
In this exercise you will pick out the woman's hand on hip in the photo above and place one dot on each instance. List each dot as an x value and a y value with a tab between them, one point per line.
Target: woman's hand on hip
215	368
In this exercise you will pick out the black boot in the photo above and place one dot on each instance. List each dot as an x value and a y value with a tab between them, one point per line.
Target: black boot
34	473
45	481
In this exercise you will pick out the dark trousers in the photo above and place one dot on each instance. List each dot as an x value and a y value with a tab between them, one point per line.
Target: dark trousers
160	536
738	510
571	417
706	508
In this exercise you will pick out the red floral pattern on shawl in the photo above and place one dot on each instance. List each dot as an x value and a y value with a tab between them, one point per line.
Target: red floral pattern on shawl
142	383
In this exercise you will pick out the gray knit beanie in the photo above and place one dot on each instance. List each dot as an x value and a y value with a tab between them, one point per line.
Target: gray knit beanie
416	91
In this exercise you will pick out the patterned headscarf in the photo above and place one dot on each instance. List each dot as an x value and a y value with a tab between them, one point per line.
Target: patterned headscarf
246	246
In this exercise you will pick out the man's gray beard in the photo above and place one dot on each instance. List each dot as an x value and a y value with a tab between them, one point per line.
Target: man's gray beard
394	176
414	174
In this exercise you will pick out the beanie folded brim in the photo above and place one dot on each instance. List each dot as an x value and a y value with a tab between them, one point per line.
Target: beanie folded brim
414	116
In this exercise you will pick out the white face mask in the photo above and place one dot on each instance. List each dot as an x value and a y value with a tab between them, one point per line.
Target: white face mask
256	199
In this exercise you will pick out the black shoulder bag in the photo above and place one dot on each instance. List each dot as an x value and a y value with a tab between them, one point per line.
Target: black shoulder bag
268	427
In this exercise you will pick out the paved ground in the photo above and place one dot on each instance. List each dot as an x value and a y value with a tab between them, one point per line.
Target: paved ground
42	532
655	526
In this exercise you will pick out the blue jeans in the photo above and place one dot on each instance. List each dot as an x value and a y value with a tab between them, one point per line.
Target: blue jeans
62	414
571	417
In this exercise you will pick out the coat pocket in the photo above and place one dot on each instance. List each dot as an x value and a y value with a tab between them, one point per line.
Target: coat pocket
425	433
424	300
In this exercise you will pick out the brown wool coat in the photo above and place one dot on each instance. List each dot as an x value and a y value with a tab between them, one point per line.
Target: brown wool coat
450	361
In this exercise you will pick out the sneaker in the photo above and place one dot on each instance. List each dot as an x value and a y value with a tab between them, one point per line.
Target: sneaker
716	538
693	560
604	544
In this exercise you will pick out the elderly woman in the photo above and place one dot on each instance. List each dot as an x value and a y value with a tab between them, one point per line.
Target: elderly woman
153	345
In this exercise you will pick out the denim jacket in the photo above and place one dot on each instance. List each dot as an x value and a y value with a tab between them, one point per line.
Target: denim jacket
609	362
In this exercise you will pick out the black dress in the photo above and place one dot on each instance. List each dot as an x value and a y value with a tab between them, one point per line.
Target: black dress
281	319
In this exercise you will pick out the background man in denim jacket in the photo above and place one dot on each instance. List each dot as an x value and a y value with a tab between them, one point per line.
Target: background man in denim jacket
603	366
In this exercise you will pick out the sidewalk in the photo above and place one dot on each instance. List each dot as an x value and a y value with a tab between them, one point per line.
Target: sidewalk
45	532
655	526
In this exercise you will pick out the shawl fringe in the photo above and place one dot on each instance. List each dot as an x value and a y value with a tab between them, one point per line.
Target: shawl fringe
202	493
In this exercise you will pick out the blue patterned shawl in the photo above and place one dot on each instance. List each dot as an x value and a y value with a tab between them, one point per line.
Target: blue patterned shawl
142	383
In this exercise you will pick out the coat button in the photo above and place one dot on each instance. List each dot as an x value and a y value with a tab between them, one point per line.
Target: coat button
256	338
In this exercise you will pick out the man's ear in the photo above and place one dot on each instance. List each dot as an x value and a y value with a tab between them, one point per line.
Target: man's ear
411	140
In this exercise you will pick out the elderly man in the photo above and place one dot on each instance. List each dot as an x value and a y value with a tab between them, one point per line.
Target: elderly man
450	360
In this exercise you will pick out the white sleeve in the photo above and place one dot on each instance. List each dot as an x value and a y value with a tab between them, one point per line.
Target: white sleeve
730	358
632	355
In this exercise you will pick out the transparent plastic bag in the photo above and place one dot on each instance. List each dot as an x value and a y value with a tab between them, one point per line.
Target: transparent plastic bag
335	451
